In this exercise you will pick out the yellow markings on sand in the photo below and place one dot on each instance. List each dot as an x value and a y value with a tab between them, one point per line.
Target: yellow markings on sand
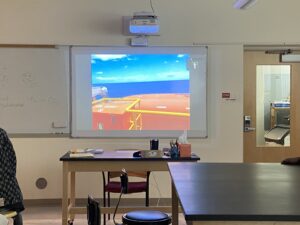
134	102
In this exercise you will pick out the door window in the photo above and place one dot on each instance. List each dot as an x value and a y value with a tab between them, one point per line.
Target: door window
273	105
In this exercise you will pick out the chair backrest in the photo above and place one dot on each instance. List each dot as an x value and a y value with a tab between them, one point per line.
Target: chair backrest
113	174
93	211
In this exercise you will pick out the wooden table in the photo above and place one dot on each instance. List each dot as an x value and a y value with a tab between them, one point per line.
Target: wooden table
107	161
236	192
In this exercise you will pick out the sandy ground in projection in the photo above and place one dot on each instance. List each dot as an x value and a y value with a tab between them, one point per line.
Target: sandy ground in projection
142	112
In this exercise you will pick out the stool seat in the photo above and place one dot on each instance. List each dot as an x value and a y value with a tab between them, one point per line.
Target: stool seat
146	217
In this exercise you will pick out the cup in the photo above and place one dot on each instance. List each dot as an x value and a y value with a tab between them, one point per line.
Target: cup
154	144
174	153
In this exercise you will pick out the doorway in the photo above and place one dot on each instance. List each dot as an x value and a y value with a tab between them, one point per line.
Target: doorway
271	115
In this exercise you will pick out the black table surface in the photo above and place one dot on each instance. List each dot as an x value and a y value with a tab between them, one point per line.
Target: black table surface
237	191
118	155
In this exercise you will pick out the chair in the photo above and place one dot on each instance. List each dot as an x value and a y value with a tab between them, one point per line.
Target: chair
111	185
93	211
139	217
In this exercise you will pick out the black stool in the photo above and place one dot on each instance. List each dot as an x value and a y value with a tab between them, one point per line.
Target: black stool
146	217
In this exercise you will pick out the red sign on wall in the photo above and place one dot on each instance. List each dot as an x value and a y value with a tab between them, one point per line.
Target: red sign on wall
225	94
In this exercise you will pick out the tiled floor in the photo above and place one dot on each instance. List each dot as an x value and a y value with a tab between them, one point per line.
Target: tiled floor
34	215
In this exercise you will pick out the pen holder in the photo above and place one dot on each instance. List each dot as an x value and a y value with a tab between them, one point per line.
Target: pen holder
185	150
174	153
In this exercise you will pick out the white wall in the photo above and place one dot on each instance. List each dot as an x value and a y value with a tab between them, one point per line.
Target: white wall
98	22
39	157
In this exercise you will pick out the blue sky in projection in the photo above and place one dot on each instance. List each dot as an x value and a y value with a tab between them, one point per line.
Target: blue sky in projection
125	68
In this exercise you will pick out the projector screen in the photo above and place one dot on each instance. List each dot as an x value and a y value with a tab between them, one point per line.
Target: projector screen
139	91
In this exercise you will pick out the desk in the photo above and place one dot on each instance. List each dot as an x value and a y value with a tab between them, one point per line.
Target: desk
107	161
236	192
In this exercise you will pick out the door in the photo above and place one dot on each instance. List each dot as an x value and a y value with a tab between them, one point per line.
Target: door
271	108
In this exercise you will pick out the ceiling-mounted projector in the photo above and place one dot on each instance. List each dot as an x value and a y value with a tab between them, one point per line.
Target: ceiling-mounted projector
243	4
144	23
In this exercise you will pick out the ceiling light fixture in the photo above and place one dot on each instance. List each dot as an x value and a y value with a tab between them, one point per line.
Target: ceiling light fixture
244	4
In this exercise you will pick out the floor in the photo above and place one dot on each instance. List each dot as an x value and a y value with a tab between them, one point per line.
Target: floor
35	215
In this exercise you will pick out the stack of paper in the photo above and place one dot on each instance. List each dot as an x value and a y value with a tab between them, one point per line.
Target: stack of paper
88	152
79	153
94	150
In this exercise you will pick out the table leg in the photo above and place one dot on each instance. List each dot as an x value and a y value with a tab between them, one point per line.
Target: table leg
65	187
72	193
174	206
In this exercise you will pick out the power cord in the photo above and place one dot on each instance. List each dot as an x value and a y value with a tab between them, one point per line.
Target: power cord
152	6
124	189
157	188
116	209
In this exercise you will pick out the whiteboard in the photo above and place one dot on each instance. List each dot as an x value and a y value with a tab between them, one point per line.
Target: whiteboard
121	74
34	90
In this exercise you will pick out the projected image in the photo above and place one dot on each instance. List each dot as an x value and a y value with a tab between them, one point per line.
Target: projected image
140	92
